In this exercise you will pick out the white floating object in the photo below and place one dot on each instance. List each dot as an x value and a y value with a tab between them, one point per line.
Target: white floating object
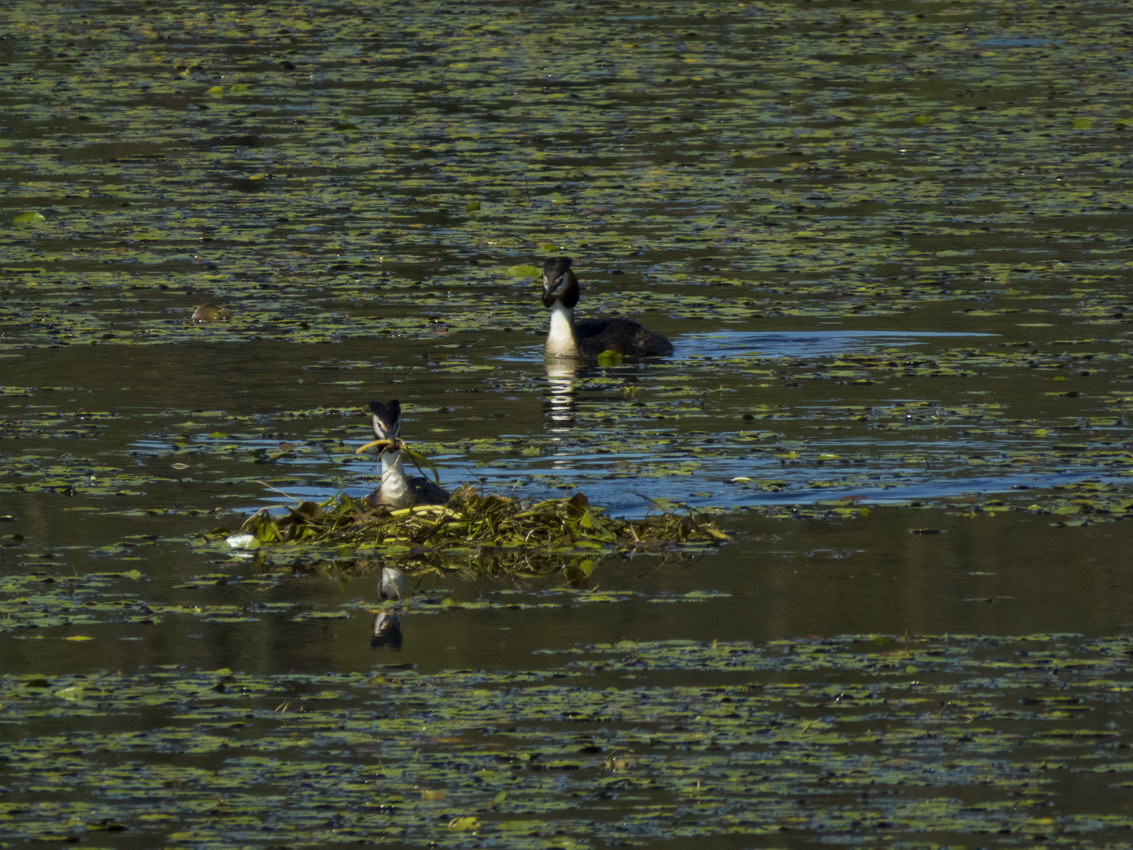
242	541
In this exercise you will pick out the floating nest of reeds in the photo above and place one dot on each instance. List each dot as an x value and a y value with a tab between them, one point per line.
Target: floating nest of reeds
471	524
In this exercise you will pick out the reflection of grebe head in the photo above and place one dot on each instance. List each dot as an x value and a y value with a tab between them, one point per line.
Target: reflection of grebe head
559	283
386	419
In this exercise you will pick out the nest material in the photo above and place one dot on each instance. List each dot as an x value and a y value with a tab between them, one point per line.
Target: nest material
473	521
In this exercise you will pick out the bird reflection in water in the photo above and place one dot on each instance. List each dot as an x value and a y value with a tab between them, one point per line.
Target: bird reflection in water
386	628
559	408
560	396
562	387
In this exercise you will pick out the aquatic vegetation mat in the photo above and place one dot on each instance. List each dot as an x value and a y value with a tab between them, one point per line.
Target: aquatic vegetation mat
949	739
486	528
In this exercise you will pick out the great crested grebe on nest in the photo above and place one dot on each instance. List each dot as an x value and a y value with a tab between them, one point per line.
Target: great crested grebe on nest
397	490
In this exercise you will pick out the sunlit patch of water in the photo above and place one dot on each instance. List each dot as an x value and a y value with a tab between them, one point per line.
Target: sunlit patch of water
797	344
594	440
723	344
627	483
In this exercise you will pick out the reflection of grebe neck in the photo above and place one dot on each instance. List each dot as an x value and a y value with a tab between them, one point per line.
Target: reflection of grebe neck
560	395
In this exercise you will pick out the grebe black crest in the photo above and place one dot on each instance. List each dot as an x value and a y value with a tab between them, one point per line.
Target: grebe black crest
397	490
587	338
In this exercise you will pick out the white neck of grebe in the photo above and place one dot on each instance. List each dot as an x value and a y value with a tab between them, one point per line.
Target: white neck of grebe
395	489
561	341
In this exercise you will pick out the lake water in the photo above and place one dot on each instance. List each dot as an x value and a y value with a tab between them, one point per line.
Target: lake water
890	246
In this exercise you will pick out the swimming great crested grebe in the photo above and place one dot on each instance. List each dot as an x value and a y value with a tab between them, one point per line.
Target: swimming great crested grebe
397	490
587	338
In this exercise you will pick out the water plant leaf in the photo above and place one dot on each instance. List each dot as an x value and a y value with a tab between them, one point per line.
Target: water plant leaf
211	313
29	218
610	357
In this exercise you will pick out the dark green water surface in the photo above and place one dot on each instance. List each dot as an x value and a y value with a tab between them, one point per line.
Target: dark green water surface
891	244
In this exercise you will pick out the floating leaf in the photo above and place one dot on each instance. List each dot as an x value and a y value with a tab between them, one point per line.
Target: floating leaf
610	358
28	219
211	313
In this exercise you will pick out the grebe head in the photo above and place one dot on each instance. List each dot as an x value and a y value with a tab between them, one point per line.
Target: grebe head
386	419
560	294
397	490
559	283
